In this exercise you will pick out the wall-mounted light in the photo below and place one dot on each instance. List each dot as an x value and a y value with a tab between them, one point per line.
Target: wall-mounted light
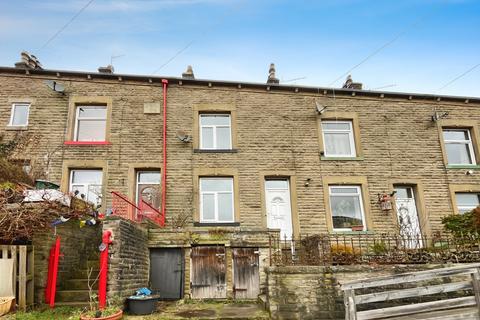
307	182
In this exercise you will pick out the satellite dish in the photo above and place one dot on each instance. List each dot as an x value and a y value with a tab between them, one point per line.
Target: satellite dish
55	86
320	109
182	136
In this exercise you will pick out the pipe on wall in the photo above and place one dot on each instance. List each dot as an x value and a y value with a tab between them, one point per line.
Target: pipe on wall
164	173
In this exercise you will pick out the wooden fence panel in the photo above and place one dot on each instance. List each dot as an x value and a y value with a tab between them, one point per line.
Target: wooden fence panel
23	275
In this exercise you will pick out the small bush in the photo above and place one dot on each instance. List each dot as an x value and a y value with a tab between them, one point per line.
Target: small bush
463	225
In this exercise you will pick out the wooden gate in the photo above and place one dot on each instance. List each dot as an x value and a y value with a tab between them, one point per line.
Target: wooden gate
23	272
166	272
208	272
246	277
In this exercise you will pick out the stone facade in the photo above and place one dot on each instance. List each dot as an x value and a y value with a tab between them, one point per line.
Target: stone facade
276	133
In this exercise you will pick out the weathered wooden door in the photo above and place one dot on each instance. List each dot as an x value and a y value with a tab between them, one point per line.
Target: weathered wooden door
208	272
166	272
246	277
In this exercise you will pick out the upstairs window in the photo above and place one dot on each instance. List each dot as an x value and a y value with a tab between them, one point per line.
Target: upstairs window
215	132
467	201
338	139
459	146
216	200
346	206
87	185
90	123
19	115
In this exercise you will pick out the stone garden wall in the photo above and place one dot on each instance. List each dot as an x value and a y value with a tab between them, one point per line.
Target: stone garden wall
128	257
313	292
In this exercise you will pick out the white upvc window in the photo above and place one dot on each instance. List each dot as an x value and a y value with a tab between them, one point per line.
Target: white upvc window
19	114
215	131
216	200
346	206
467	201
87	185
338	139
90	123
459	146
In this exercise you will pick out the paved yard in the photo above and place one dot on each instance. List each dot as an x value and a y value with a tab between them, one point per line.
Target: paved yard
165	311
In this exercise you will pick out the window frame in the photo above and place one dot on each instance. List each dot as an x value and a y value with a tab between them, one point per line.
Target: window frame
12	113
469	208
137	183
351	138
360	198
200	126
77	121
468	142
215	193
85	185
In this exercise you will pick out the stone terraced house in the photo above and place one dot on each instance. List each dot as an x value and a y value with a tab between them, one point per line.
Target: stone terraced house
244	161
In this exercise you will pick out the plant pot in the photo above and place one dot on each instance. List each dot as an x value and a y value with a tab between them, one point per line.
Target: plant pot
114	316
357	228
143	306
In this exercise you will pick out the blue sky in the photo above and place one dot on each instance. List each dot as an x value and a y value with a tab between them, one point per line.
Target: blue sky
237	39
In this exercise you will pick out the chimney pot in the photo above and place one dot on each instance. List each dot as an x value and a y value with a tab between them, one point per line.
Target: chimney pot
271	74
107	69
28	61
188	74
349	84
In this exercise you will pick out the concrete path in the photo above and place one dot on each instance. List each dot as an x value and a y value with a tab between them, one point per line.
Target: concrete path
204	311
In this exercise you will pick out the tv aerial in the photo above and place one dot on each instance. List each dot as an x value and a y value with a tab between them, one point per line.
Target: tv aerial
55	86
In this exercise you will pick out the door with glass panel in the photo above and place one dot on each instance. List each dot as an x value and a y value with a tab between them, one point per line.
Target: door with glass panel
279	210
407	215
148	192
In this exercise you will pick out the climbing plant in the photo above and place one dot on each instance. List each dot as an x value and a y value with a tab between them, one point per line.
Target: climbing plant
465	224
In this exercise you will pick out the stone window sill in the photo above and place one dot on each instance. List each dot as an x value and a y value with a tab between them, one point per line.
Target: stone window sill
462	166
323	158
16	128
87	143
213	224
215	150
351	232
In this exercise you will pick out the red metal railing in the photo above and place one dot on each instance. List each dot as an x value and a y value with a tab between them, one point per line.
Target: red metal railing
123	207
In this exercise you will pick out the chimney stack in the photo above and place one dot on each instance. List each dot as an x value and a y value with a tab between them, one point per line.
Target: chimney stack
349	84
188	74
271	75
107	69
28	61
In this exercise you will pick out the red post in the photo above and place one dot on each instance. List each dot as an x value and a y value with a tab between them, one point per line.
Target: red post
102	278
164	173
51	288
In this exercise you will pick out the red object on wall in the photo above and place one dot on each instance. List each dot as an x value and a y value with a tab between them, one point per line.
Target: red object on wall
51	288
102	278
164	173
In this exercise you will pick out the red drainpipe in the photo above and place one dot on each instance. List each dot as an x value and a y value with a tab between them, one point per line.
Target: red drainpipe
102	278
164	175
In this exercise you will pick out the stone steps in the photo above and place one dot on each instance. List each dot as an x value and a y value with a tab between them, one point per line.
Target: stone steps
72	296
80	284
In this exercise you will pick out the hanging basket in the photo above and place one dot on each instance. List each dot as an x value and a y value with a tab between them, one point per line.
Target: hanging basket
6	304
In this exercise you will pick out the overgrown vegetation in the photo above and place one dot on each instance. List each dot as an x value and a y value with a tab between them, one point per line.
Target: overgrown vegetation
463	225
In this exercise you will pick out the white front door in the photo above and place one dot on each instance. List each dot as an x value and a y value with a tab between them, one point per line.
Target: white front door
279	211
407	215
